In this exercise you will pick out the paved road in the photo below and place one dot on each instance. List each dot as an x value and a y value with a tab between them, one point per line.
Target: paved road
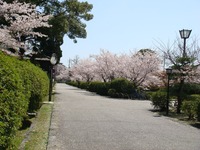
84	121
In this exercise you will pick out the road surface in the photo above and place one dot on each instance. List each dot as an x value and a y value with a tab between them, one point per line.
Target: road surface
85	121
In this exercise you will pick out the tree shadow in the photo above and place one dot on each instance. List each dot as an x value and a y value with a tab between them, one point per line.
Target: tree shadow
157	112
26	123
55	93
178	117
196	125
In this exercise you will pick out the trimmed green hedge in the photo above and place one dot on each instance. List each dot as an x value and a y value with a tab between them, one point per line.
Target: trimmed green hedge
121	85
122	88
100	88
117	88
22	88
83	85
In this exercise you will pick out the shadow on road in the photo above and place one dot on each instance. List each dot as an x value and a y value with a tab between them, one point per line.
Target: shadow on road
196	125
160	114
55	93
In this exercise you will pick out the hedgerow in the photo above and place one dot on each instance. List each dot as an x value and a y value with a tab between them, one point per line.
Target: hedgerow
117	88
100	88
22	88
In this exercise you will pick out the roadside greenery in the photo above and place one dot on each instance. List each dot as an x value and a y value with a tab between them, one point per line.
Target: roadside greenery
190	105
37	138
117	88
159	100
22	89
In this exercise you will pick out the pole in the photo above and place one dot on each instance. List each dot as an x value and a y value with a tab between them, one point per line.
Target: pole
167	102
69	65
50	82
184	47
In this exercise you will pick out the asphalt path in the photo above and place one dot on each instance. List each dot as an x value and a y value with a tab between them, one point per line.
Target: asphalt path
85	121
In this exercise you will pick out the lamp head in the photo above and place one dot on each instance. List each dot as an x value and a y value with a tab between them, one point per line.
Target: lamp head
185	33
53	59
169	71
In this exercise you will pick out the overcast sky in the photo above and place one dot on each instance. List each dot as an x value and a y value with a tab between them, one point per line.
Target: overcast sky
121	26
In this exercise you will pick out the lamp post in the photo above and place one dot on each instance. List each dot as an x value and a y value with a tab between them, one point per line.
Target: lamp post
169	72
185	33
53	61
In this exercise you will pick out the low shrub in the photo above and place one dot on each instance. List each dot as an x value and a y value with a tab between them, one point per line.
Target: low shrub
189	108
117	88
122	86
83	85
198	112
72	83
98	87
112	93
159	100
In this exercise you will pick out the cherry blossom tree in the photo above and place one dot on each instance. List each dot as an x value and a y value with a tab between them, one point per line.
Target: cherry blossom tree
106	65
139	67
20	21
84	70
61	73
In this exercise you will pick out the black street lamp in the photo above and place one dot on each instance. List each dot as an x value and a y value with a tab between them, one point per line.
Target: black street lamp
169	72
53	61
185	33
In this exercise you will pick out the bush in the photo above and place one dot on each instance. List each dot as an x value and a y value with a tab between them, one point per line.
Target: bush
35	83
72	83
189	108
194	97
83	85
188	89
159	100
118	88
13	105
39	87
20	81
198	112
192	88
100	88
112	93
122	86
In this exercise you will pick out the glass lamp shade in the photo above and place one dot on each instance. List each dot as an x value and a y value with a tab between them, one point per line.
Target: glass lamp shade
169	71
185	33
53	59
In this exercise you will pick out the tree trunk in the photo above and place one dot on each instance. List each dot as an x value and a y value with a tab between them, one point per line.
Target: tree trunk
179	97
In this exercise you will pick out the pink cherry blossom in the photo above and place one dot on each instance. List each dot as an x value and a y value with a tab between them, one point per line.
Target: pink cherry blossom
22	18
137	67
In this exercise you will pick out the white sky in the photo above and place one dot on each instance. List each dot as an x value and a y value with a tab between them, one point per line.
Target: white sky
123	26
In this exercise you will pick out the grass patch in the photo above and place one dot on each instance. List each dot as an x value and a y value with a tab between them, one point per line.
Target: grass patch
33	135
20	135
182	118
38	136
